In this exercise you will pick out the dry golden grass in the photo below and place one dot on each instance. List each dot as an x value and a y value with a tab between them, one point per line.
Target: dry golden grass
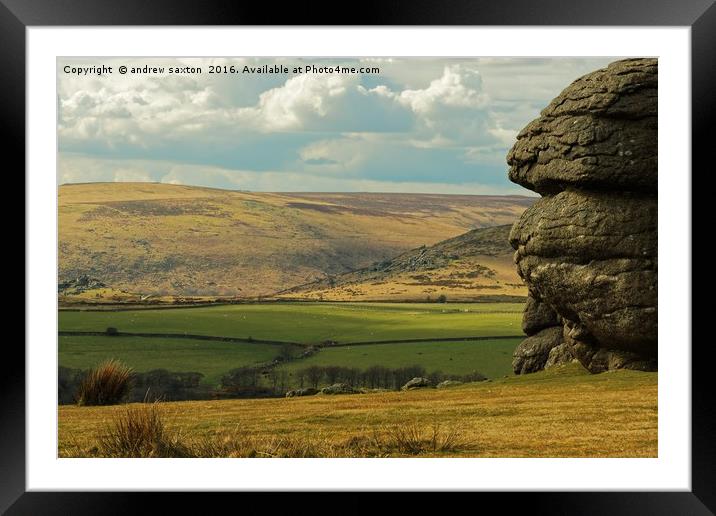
564	412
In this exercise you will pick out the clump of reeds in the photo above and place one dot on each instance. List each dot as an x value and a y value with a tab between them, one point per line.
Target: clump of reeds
106	384
139	431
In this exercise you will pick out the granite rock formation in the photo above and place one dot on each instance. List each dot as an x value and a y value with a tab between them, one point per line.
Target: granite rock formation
587	250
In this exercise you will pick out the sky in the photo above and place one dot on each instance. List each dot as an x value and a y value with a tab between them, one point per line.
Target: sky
417	125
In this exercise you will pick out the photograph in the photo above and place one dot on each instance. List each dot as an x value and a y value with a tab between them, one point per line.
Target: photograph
357	257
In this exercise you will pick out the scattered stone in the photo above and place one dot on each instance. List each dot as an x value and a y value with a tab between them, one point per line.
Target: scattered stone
448	383
307	391
416	383
340	388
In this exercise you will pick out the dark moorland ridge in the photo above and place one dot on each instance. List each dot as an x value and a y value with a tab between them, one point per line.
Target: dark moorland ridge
588	249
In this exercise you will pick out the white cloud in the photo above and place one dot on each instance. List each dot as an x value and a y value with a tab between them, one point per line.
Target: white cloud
300	101
459	86
453	110
450	120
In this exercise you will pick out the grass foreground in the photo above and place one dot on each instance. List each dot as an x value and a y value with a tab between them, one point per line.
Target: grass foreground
562	412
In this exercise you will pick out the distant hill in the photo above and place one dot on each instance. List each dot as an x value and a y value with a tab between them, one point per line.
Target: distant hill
470	266
156	239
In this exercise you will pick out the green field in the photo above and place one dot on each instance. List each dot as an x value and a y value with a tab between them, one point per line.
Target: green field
312	323
212	359
305	323
492	358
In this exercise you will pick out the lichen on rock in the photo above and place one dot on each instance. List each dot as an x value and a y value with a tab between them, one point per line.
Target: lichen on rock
587	249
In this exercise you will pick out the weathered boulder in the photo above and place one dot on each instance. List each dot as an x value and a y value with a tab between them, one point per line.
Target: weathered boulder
307	391
558	355
599	133
588	249
532	353
340	388
538	316
416	383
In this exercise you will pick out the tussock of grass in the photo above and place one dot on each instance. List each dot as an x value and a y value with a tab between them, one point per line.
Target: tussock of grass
106	384
412	439
140	432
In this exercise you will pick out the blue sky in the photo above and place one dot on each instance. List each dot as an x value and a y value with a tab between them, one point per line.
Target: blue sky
430	125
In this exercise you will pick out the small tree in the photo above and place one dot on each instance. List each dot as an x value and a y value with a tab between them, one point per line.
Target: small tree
314	374
332	374
442	298
285	353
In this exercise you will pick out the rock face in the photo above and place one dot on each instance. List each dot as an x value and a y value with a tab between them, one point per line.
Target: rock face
532	353
587	249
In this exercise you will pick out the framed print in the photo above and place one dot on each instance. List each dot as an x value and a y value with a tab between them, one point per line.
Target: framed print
311	256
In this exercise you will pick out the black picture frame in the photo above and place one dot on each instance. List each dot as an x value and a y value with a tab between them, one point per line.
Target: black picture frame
17	15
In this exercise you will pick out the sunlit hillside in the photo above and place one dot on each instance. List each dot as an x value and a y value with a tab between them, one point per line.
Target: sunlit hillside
153	239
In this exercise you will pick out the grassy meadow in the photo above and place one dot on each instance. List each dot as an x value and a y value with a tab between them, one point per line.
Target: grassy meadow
312	323
562	412
212	359
492	358
303	323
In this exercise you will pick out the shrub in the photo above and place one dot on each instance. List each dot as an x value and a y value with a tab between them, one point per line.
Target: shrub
106	384
111	331
68	381
160	384
442	298
243	382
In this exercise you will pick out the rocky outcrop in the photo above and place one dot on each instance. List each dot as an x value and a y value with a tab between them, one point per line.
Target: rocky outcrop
538	316
79	284
587	249
532	353
545	346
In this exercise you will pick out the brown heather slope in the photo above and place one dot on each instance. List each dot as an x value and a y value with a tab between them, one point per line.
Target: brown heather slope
472	266
159	239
